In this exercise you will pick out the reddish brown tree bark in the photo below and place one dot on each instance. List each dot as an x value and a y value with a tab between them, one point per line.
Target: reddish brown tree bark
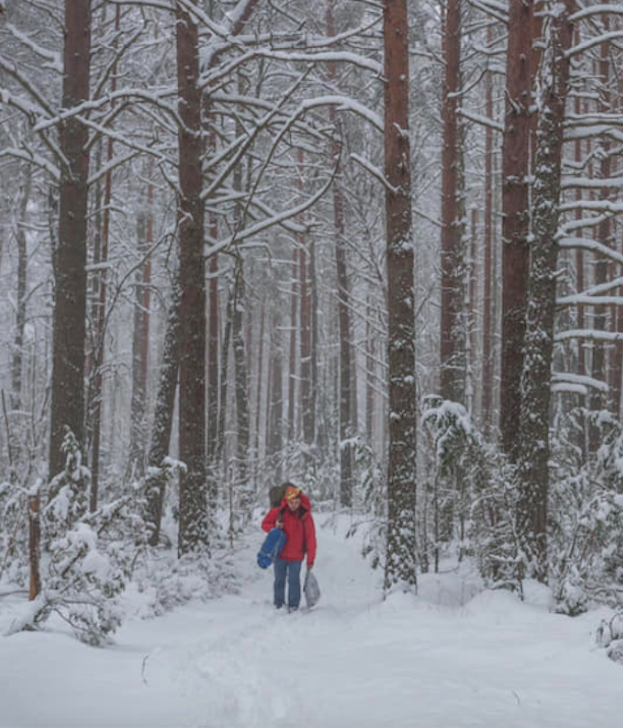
344	326
34	547
274	425
452	365
140	336
515	213
293	359
401	534
487	319
307	413
67	406
17	356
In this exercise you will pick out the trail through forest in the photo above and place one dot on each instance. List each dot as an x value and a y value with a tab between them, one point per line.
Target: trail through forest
450	658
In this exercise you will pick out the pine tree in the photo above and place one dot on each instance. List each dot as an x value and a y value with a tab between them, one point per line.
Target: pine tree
533	440
401	536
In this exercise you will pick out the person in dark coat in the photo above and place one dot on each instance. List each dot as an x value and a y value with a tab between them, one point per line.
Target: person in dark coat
294	516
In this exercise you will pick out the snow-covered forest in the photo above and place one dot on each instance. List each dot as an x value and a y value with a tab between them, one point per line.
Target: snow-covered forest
371	247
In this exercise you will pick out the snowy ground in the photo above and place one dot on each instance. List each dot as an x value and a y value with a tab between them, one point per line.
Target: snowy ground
447	659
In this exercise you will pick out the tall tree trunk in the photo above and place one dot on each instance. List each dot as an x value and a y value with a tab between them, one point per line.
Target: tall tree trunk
292	362
400	566
370	371
259	392
313	341
140	336
343	310
344	328
67	406
193	523
600	314
240	367
163	415
222	413
580	284
96	378
452	364
213	350
515	213
471	288
274	438
533	440
17	357
617	366
305	344
487	318
34	546
212	355
137	397
604	234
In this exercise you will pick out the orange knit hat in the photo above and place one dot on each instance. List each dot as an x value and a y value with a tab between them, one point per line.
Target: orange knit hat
292	492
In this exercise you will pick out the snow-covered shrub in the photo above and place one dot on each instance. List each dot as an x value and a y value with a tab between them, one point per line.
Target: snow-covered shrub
159	482
609	635
493	534
66	494
586	546
585	524
13	534
369	502
87	568
166	581
86	558
456	471
370	486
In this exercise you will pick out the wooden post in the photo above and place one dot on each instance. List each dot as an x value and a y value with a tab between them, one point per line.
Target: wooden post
34	546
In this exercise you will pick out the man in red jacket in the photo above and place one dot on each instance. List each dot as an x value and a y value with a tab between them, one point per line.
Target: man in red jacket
294	516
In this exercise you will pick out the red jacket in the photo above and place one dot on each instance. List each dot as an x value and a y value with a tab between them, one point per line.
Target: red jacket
299	528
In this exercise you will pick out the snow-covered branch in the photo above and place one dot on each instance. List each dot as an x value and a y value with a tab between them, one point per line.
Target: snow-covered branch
374	171
52	60
580	380
590	334
277	219
592	42
482	120
31	158
593	245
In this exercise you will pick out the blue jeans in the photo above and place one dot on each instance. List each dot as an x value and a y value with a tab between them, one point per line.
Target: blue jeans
291	570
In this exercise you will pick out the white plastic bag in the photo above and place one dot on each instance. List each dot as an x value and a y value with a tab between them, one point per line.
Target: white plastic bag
311	589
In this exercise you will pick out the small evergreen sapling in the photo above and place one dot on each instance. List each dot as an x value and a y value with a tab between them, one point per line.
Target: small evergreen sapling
87	558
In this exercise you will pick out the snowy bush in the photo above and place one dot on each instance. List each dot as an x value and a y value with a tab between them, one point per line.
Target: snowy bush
13	534
166	581
456	473
609	635
66	494
86	558
586	546
493	533
87	568
370	502
586	513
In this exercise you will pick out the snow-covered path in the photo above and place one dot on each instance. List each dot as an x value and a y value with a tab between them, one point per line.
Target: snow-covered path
352	662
